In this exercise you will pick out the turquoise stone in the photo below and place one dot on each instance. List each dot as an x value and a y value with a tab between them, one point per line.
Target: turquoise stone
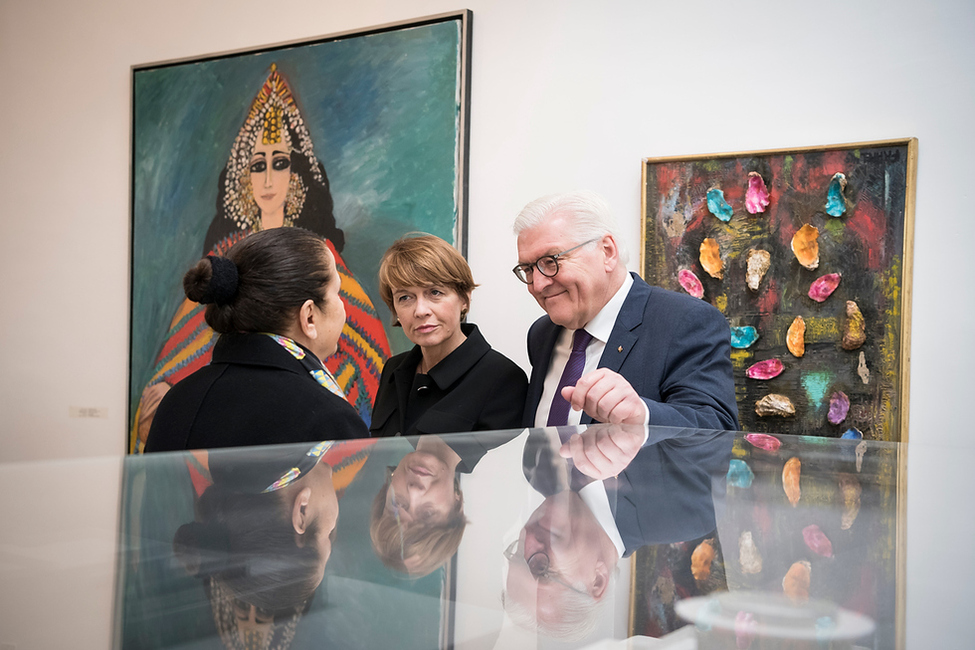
743	337
740	474
718	206
835	202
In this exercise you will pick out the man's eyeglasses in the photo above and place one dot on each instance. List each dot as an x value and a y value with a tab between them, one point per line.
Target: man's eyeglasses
539	565
547	265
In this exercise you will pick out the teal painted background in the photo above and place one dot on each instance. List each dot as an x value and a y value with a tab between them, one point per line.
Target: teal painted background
382	111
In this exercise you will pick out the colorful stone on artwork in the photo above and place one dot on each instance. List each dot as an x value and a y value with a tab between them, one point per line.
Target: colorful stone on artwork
825	626
689	282
855	327
746	629
768	369
795	338
795	584
708	612
756	196
764	441
749	556
758	263
743	337
775	404
701	560
817	541
824	286
851	490
805	245
718	206
835	201
711	258
839	406
862	370
852	434
790	480
740	474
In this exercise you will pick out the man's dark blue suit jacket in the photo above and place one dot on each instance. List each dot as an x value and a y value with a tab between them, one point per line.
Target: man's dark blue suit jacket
673	349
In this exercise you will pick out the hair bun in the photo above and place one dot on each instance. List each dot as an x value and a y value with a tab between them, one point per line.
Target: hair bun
202	548
223	282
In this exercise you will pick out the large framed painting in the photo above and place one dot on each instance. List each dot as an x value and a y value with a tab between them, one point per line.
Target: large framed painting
808	254
376	125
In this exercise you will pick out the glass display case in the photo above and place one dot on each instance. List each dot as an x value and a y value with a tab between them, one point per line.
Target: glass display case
559	537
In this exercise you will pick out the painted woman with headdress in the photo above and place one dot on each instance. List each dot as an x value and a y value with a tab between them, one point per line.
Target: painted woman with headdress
272	179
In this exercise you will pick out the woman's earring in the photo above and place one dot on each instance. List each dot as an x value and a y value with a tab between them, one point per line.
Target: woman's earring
250	214
295	199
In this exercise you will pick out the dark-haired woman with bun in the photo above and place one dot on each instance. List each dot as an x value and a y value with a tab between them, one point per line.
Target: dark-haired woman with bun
274	300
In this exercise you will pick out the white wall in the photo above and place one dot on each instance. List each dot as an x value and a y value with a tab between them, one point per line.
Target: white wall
565	95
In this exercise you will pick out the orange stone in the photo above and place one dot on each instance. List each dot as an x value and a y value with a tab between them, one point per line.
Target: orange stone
711	258
795	339
795	584
805	244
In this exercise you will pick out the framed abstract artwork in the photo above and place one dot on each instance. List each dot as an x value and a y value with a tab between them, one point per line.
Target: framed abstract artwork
808	254
375	123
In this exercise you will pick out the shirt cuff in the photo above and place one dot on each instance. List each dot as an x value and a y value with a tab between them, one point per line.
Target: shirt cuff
646	421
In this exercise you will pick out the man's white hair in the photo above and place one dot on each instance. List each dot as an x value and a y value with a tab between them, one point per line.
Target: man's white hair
576	616
589	217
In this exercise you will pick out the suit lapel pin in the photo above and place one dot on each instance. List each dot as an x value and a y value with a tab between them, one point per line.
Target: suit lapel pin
619	349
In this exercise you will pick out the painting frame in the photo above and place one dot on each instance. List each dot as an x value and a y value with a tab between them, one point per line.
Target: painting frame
386	115
665	253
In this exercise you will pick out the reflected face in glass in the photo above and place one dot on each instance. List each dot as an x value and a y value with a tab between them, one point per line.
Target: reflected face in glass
430	315
333	314
579	290
554	550
252	621
270	170
421	491
323	505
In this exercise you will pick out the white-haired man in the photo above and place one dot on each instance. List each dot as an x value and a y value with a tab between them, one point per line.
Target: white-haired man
612	348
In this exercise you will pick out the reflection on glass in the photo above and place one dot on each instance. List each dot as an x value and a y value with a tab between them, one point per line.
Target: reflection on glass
562	599
264	528
557	557
564	561
417	519
539	565
243	625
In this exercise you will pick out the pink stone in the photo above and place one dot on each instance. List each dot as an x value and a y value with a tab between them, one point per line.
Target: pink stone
765	369
756	196
817	541
763	441
745	630
823	286
839	406
690	283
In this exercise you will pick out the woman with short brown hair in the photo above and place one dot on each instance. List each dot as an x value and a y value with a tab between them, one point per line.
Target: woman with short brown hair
451	380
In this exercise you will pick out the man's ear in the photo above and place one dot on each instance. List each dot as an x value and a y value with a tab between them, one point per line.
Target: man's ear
307	314
600	581
611	252
300	515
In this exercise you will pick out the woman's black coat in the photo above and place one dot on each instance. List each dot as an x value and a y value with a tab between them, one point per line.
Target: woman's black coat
254	392
474	388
